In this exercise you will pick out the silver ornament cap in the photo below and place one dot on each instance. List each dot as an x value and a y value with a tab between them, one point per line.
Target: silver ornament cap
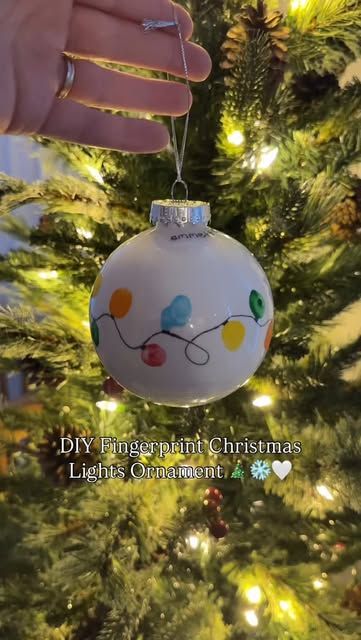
180	212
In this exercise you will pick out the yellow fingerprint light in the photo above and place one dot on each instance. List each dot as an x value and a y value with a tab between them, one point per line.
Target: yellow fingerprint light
233	334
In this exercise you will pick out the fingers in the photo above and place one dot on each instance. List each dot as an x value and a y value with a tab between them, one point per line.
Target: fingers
138	10
101	36
76	123
104	88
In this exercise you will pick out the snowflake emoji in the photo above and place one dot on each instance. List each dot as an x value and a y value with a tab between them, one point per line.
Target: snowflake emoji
260	470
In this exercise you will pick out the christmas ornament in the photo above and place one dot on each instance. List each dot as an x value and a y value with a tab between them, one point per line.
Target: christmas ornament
212	493
55	464
112	388
219	529
181	314
211	506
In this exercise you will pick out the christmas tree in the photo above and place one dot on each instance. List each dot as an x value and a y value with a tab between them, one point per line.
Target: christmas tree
274	146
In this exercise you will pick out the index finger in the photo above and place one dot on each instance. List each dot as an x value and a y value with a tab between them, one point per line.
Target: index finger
139	10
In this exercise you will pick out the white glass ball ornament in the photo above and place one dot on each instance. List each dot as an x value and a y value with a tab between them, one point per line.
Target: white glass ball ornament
181	314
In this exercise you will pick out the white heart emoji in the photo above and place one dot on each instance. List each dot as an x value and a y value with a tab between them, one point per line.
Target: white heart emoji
281	469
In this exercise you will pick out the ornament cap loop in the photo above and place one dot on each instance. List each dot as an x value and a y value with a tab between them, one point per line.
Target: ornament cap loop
180	212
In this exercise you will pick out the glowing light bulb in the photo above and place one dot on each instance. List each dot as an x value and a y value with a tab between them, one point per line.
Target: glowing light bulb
236	138
95	173
107	405
285	605
298	4
267	157
318	584
85	233
48	275
193	541
324	492
86	324
251	618
254	595
262	401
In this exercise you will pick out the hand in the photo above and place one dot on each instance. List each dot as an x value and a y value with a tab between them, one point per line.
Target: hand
35	33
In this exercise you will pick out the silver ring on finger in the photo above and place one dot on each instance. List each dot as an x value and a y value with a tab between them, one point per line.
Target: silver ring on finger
68	83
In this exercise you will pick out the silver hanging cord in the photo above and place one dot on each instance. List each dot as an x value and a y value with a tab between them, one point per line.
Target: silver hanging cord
149	25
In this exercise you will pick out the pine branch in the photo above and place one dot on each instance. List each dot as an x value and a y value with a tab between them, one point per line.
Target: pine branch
65	194
326	36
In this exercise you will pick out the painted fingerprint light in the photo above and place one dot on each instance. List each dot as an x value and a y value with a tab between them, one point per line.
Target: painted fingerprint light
178	314
233	334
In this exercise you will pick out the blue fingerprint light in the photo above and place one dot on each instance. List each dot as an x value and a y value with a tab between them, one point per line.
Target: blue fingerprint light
177	314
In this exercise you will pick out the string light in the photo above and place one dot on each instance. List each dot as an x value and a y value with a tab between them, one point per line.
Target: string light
285	605
254	595
95	173
298	4
251	618
107	405
324	492
85	233
86	324
48	275
193	541
198	541
262	401
236	138
267	157
318	584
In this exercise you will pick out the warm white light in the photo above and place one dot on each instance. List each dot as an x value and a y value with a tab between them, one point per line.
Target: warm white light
267	157
107	405
324	492
262	401
236	138
48	275
85	233
86	324
193	541
251	618
298	4
285	605
254	595
318	584
95	173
